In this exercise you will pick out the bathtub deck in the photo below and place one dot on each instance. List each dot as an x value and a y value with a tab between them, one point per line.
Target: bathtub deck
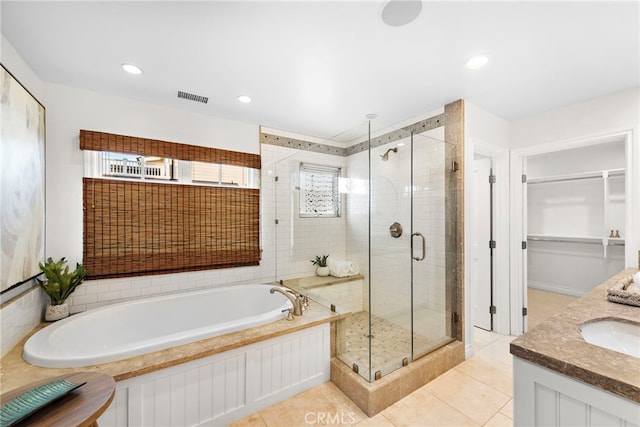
15	372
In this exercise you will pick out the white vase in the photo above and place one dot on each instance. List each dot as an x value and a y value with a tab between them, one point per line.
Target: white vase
56	312
322	271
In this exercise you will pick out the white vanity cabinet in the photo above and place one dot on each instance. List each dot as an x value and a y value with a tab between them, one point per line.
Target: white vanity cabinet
545	398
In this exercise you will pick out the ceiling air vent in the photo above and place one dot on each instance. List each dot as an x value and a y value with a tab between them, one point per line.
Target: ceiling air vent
192	97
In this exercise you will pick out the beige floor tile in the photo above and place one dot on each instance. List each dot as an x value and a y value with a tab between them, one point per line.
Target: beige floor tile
377	421
498	351
254	420
342	404
423	409
309	407
499	420
508	409
494	374
468	395
482	338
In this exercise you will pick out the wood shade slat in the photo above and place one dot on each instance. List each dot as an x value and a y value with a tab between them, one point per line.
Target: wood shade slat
101	141
138	228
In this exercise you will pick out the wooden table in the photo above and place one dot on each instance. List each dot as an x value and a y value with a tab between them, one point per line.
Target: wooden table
81	407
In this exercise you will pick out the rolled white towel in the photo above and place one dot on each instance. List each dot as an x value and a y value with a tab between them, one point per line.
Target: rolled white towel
354	269
342	268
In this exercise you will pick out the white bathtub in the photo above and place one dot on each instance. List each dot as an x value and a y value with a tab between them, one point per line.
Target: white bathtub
138	327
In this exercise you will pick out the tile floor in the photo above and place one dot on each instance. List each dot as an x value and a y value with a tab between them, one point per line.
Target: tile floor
477	392
542	304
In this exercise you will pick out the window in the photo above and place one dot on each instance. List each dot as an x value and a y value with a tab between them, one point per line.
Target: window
220	174
319	195
148	209
138	167
105	164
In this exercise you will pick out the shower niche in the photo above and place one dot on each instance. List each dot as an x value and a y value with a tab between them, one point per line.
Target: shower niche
400	199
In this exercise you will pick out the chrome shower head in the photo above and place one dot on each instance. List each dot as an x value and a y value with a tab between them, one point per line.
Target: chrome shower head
385	156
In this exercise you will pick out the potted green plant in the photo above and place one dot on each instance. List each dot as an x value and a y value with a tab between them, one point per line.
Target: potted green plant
59	285
322	269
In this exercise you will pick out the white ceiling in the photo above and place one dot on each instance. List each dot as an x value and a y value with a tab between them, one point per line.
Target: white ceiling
318	67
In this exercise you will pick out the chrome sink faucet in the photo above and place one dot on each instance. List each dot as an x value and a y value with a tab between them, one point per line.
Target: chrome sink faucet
295	299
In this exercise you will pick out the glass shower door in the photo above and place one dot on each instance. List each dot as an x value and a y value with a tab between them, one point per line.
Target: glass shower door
411	297
432	243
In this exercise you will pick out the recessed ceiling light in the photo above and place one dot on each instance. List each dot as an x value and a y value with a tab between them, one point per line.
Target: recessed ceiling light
133	69
244	99
476	62
400	12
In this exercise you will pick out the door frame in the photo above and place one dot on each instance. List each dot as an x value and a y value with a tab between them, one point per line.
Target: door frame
518	284
500	161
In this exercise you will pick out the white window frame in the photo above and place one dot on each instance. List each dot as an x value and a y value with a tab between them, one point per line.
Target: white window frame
321	195
94	168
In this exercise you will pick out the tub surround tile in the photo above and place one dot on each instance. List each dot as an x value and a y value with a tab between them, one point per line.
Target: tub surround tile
15	372
454	228
557	344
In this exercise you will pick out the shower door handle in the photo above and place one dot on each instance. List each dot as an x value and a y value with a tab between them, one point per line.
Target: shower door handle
424	247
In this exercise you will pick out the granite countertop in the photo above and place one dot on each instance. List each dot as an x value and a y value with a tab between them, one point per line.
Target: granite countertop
557	344
15	372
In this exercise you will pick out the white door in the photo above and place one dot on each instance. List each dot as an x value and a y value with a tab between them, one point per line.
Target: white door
480	251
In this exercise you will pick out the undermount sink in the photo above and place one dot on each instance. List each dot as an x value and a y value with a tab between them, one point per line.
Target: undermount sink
615	335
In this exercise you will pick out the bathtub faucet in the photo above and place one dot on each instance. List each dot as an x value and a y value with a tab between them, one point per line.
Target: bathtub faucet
295	299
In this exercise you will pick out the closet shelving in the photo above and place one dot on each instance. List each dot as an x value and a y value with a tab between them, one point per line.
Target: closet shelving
610	206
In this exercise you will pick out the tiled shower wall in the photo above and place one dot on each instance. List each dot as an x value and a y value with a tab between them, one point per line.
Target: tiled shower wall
298	239
391	263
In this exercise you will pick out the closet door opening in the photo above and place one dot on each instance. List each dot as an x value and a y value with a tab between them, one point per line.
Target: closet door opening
574	218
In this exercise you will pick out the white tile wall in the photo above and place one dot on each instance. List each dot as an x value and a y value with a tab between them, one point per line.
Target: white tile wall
391	266
295	241
97	293
20	316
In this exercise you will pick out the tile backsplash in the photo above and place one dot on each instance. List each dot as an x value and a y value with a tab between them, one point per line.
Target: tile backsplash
19	316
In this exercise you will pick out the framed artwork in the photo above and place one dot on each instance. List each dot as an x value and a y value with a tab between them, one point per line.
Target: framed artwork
22	183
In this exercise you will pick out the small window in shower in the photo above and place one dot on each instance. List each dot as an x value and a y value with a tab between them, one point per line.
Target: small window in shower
319	195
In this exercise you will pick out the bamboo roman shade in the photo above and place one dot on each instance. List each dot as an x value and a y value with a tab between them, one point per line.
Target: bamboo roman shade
101	141
141	227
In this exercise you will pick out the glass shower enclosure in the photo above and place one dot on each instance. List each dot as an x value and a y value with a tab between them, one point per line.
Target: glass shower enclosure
383	204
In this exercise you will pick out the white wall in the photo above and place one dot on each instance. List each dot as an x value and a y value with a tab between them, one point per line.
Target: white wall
13	62
610	113
488	135
69	110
